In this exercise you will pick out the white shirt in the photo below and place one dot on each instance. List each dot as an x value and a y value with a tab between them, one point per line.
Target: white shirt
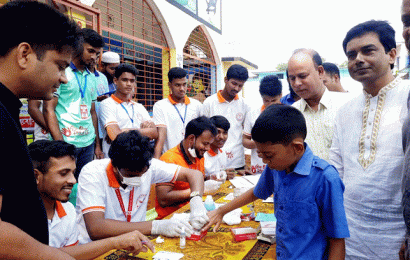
62	229
214	162
257	165
175	116
235	111
367	151
320	123
97	191
40	133
124	114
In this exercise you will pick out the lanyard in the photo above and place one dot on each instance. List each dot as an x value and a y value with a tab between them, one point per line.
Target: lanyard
82	90
119	197
131	118
183	119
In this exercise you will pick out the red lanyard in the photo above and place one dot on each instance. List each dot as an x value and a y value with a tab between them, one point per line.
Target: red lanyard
126	214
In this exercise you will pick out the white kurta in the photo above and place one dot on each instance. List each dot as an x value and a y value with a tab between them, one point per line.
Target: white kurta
367	151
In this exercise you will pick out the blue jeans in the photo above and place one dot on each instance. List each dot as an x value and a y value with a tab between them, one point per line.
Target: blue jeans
84	155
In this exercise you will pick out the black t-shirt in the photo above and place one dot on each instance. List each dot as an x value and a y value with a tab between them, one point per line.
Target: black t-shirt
22	205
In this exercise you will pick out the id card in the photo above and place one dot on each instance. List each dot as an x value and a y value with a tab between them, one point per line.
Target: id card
84	111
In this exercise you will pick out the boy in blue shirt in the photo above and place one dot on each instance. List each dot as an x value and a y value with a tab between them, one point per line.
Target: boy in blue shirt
308	192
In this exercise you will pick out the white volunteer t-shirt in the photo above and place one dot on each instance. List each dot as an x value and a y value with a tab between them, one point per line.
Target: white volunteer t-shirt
214	162
62	229
235	111
97	185
175	117
115	111
257	165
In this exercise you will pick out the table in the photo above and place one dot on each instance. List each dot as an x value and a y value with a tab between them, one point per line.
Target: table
219	245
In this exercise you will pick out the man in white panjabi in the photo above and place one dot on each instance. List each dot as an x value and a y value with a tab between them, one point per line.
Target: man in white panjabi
367	147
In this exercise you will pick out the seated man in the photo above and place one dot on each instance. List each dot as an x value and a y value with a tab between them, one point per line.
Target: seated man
54	166
119	113
215	158
113	193
199	134
270	89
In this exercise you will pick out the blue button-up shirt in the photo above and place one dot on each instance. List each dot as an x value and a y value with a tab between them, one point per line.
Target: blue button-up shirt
308	207
287	100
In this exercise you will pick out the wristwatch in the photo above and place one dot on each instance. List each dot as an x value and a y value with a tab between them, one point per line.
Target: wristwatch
194	194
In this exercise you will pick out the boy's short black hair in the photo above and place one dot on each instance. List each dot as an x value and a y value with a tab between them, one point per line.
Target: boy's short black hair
132	151
238	72
176	73
124	67
279	124
38	24
270	86
199	125
221	122
42	150
92	37
331	68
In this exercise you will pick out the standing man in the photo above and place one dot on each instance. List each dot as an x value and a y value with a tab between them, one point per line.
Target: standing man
32	64
120	113
318	105
270	89
71	115
109	61
331	77
227	103
199	134
367	145
172	114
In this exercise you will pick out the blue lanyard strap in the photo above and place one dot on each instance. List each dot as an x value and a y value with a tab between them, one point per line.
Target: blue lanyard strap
131	118
82	90
183	119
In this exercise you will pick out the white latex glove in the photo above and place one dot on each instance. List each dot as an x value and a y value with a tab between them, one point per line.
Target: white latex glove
198	217
171	227
211	186
219	176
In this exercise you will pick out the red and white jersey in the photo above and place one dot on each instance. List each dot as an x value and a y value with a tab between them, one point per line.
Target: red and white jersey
62	229
99	190
235	111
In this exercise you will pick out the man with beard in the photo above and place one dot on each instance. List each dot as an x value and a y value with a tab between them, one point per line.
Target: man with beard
199	134
109	61
71	115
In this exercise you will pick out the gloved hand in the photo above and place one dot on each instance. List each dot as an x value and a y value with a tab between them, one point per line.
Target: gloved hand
211	186
198	217
219	176
171	227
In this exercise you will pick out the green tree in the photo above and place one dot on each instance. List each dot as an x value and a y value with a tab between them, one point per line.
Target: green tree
282	66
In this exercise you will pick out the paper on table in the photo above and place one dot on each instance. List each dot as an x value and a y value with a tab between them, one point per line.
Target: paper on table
252	178
268	200
240	182
165	255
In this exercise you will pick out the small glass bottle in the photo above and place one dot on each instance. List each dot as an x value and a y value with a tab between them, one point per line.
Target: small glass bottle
182	239
209	203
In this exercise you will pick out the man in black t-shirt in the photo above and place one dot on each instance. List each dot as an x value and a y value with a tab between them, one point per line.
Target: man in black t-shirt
36	46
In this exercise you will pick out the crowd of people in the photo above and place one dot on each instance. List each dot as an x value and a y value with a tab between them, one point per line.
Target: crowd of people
336	165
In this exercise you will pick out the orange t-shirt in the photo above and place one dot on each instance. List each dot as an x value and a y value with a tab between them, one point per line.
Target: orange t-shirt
175	156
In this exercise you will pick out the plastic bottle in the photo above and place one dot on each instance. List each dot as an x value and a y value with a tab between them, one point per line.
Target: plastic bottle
182	239
209	203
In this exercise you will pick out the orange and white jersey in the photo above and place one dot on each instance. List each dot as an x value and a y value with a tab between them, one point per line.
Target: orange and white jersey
175	116
62	229
214	162
257	165
99	190
124	114
235	111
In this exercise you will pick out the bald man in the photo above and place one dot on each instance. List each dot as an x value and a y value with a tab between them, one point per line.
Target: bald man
318	105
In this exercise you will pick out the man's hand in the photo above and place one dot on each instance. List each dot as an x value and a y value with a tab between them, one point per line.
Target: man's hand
133	241
245	172
147	124
198	217
215	217
98	152
171	227
230	173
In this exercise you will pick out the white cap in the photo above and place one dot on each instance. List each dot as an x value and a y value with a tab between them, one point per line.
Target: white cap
110	57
